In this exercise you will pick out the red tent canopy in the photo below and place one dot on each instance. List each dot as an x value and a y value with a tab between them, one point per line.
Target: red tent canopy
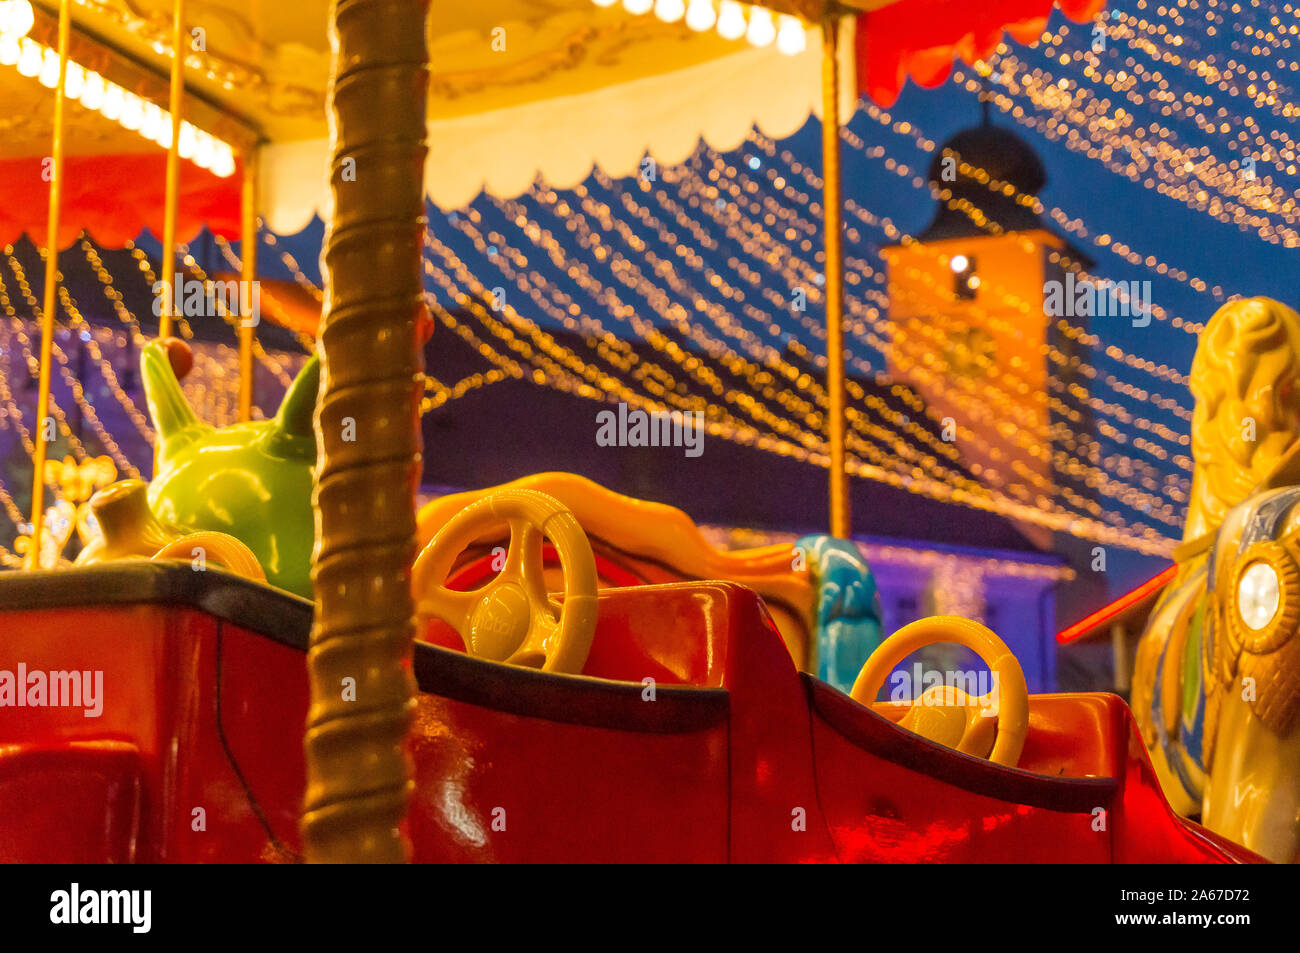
922	38
114	198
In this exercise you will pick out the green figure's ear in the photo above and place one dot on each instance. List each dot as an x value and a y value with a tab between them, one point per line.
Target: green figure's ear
295	416
172	415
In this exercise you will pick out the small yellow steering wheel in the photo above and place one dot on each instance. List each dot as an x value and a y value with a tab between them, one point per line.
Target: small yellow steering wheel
220	549
511	619
944	713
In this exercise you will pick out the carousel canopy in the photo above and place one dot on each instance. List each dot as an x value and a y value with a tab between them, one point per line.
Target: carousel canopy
519	89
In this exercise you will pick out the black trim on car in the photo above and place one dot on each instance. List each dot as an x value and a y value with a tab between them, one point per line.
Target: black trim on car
880	736
286	618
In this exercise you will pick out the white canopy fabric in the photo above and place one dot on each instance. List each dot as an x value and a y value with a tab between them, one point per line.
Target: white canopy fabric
518	89
560	139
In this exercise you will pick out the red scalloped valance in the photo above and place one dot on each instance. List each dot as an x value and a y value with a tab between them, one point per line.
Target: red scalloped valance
114	198
922	38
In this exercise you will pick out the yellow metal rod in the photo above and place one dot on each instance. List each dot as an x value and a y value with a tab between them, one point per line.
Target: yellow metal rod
51	288
175	104
248	248
834	273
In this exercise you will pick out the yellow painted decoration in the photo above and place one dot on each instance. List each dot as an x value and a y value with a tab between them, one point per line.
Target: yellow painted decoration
1216	687
1246	416
78	480
511	619
945	714
127	526
55	531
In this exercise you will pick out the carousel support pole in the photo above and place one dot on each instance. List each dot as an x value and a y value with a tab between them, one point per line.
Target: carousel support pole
51	288
368	435
834	274
248	274
175	105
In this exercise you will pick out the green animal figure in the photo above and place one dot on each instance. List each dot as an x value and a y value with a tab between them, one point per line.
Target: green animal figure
252	480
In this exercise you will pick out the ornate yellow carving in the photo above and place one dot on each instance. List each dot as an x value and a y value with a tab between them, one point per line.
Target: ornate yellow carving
1246	381
1245	434
1279	555
569	54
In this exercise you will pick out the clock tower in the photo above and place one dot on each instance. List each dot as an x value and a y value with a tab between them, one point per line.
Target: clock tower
971	329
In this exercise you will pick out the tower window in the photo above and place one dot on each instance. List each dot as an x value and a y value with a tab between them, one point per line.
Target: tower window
965	282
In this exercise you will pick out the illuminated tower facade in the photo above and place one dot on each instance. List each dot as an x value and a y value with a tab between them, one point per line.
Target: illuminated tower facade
972	330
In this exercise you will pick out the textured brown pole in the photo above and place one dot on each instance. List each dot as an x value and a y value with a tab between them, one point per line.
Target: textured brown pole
834	272
367	428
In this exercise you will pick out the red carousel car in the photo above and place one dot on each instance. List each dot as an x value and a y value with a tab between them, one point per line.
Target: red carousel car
170	726
153	713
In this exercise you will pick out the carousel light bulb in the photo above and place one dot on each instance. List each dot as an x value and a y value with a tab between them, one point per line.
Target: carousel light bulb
10	50
762	31
1258	595
205	151
604	3
75	81
790	37
958	263
223	165
29	60
114	100
638	7
700	15
92	91
731	20
16	18
151	122
189	141
163	135
49	74
132	111
670	11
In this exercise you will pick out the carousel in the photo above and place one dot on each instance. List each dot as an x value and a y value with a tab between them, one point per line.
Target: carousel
265	651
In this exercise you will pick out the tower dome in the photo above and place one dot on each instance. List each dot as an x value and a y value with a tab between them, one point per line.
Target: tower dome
1006	158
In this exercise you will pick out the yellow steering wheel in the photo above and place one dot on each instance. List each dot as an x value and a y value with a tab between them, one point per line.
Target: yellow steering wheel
511	619
946	714
220	549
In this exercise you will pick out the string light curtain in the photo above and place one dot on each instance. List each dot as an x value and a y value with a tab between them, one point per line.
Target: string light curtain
677	291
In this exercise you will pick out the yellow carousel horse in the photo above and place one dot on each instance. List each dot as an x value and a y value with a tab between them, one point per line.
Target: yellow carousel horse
1216	685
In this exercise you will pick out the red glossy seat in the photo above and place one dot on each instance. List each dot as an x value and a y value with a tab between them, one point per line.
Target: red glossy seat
89	795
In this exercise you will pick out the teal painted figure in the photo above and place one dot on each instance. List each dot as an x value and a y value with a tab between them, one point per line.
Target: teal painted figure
848	608
252	480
